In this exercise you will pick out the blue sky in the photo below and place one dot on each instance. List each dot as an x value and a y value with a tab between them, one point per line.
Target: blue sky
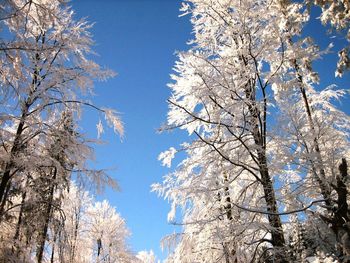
138	39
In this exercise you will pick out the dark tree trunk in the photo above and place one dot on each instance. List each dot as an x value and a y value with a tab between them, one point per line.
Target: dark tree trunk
340	221
19	222
43	235
341	214
6	176
17	143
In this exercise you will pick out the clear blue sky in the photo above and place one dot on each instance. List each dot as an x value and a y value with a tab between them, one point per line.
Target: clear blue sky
138	39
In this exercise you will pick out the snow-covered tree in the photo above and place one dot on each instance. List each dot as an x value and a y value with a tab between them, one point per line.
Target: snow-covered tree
264	142
46	78
146	256
68	230
40	79
337	14
107	232
91	232
78	230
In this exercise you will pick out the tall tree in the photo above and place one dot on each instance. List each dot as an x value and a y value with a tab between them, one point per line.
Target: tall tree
46	77
261	135
43	71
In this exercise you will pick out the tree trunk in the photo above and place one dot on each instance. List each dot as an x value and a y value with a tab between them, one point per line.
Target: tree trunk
5	179
53	248
43	235
19	222
340	221
258	130
321	176
17	144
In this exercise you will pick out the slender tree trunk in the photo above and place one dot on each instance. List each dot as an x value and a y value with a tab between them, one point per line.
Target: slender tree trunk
321	175
258	129
342	192
228	205
5	179
226	253
75	236
61	246
48	214
340	220
227	211
16	248
17	143
17	146
53	248
3	202
19	222
274	219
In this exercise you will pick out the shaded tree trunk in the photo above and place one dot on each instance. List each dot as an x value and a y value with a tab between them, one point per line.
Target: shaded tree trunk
17	143
19	222
47	216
